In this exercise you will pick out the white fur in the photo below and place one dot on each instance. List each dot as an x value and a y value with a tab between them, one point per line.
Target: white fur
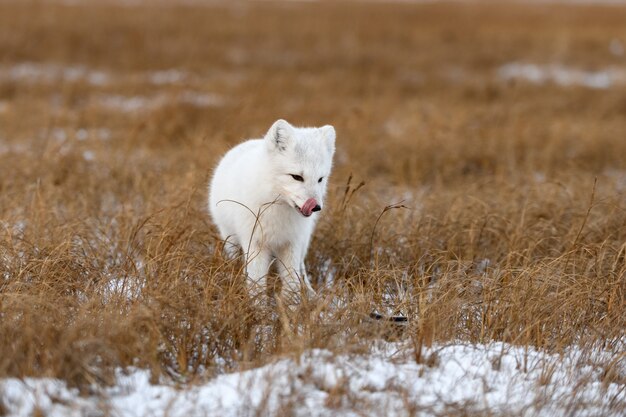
254	200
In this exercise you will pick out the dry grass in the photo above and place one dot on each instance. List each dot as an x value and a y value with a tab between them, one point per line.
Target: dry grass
514	225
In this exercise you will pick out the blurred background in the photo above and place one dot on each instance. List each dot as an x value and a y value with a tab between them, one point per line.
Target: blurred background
420	91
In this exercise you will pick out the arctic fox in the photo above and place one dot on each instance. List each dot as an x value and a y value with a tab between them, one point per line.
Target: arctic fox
264	196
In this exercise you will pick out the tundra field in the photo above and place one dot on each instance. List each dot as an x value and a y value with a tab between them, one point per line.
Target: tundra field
479	188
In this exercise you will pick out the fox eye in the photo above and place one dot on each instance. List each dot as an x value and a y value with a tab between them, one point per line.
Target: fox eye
297	177
320	180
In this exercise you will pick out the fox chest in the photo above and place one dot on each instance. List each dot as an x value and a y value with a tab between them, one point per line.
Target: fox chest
281	229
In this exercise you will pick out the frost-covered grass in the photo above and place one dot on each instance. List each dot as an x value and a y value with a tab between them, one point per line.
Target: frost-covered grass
479	189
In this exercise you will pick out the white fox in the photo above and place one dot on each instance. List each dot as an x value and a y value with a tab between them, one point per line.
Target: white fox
263	197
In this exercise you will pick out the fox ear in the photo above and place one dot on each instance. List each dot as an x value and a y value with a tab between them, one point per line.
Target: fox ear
279	136
328	135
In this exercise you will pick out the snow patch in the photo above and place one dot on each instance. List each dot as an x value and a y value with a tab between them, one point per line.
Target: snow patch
171	76
135	104
495	378
50	72
128	288
562	75
32	72
89	156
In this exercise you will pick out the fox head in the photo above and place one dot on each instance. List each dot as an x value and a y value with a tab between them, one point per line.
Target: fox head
301	161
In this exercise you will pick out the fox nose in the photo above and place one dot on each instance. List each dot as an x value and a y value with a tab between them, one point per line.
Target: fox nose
317	207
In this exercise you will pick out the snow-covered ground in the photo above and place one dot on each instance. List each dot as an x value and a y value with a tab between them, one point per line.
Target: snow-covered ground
496	378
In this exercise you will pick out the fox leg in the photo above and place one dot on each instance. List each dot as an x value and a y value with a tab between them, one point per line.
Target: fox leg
231	247
257	266
293	275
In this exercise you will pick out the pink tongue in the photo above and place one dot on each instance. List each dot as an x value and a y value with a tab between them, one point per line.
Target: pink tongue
308	206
